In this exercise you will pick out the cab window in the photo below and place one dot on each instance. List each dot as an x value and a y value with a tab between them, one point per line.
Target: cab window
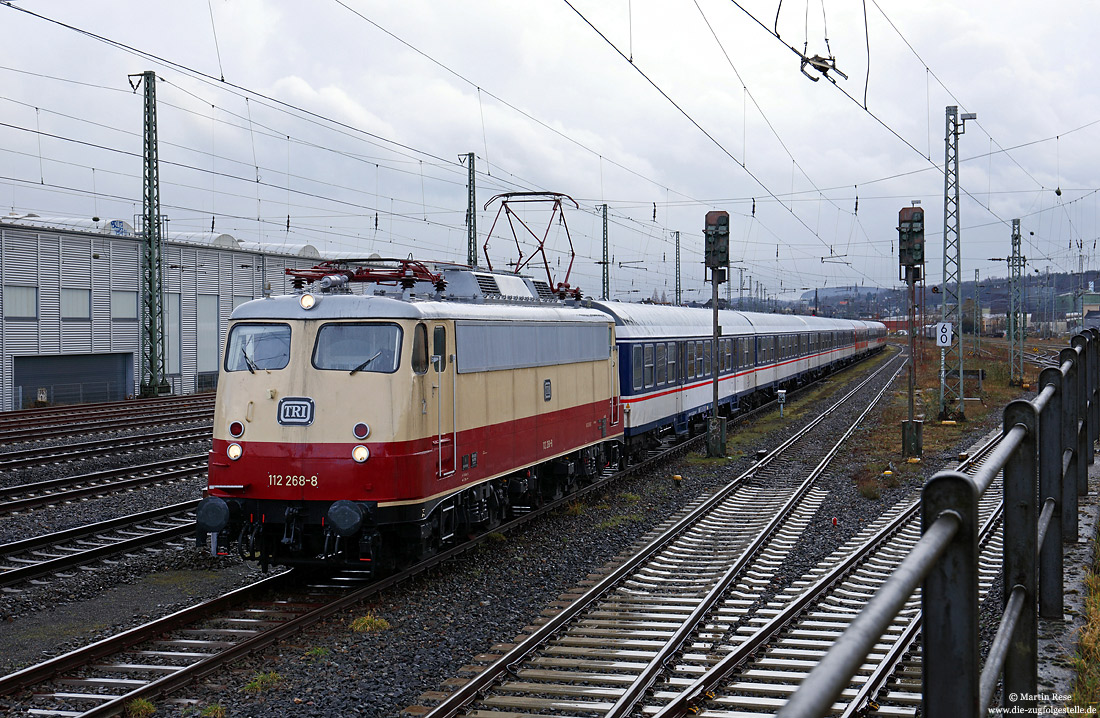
355	347
251	347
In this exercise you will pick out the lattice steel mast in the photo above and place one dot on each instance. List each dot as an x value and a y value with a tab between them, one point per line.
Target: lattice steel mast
154	380
677	235
471	214
951	357
606	263
1016	309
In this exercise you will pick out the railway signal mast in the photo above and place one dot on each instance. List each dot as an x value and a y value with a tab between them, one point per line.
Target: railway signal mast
911	259
716	236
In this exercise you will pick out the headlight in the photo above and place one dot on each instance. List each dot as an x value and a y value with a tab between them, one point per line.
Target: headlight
360	453
361	431
234	451
236	429
307	301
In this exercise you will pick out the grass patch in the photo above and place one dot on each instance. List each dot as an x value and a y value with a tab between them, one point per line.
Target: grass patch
214	710
140	708
879	445
369	624
262	682
496	537
616	521
574	508
1086	662
630	497
316	653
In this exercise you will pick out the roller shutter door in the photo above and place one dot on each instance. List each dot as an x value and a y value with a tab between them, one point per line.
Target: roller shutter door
74	378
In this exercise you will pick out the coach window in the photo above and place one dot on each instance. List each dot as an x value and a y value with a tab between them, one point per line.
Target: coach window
637	366
648	365
673	351
708	356
420	349
689	360
662	366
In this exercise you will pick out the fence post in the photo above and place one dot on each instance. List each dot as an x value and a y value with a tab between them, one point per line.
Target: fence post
949	601
1078	342
1050	483
1069	442
1094	394
1087	406
1020	521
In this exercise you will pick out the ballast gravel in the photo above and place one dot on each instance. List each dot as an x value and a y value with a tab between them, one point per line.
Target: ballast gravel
436	624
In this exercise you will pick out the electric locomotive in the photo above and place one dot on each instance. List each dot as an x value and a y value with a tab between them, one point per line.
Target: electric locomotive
371	429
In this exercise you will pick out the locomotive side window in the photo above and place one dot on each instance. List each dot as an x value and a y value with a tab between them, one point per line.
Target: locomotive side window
439	347
637	366
420	349
358	348
257	346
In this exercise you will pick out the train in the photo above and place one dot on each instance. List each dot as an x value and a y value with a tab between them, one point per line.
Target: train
391	408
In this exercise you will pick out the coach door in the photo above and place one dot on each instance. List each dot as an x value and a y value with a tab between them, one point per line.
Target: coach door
445	385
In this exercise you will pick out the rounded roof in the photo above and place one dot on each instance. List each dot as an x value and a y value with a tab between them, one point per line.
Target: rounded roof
356	306
656	320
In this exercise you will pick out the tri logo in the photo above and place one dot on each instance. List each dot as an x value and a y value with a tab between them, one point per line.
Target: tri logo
296	411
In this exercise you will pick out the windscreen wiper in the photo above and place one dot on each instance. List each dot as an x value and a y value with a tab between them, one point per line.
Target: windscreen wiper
249	362
364	365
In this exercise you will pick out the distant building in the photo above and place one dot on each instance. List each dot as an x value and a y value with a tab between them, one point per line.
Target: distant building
70	326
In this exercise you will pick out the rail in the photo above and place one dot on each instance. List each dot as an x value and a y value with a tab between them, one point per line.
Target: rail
1045	449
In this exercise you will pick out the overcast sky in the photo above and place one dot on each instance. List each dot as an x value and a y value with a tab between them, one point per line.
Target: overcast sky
350	118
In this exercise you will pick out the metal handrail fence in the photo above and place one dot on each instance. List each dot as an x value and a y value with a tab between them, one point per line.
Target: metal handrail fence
1044	452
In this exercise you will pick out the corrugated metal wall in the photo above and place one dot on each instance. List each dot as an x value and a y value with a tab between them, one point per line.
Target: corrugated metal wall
32	257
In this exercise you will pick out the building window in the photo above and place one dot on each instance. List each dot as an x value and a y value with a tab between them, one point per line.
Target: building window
172	332
206	344
76	303
20	302
124	305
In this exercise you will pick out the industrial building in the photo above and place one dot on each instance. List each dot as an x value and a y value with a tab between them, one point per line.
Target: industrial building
70	331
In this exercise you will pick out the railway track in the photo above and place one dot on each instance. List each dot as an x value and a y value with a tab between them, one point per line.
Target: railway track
24	497
75	413
89	425
767	656
603	654
58	552
82	451
159	657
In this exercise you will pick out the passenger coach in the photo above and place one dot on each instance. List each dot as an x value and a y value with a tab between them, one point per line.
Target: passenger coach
666	360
